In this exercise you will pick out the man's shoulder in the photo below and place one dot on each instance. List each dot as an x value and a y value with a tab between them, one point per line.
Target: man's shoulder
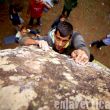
52	30
50	37
51	33
75	34
77	37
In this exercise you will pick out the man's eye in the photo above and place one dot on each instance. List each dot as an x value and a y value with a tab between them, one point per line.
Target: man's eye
65	41
58	38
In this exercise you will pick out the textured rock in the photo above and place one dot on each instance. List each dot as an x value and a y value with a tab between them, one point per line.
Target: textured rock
32	79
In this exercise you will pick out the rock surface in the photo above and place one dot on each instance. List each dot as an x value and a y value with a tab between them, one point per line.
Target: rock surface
32	79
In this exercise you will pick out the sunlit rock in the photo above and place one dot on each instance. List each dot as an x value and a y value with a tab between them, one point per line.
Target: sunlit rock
32	79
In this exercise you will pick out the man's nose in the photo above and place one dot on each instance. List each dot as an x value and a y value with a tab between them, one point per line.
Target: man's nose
60	43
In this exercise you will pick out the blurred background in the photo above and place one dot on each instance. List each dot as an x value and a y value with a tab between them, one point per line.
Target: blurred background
91	18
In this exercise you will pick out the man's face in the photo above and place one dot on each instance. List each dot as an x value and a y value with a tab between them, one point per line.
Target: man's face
60	41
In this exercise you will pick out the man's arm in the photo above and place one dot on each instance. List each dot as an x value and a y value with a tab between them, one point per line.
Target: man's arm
29	41
81	55
79	43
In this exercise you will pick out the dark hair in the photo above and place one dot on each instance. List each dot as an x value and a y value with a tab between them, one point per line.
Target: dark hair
65	29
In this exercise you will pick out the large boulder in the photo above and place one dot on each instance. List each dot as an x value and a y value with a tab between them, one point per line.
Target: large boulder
32	79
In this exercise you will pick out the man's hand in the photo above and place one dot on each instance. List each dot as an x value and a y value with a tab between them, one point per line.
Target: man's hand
43	45
80	56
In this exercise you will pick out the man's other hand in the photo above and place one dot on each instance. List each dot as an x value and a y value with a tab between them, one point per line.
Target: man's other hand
43	45
80	56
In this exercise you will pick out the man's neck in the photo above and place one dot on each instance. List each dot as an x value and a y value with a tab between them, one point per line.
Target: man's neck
59	51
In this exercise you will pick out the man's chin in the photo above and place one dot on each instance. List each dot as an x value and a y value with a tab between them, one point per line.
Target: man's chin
59	48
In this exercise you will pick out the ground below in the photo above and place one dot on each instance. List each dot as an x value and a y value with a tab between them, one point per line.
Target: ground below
90	18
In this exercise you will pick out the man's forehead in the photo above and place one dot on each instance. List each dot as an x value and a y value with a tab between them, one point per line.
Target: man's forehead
58	35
